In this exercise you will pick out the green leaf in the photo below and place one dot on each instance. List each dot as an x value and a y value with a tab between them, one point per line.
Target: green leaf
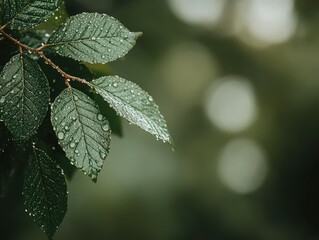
92	38
45	192
24	96
82	131
24	14
132	103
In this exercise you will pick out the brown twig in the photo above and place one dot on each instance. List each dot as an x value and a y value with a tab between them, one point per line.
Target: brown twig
38	52
41	47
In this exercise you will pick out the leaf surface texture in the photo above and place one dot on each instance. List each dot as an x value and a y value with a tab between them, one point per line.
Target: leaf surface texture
24	14
83	132
132	103
24	96
45	192
92	38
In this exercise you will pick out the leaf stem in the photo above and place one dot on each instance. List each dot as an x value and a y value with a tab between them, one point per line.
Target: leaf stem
40	48
38	52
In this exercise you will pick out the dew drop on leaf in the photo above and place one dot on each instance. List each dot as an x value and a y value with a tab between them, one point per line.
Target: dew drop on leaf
105	128
102	155
61	135
2	100
100	117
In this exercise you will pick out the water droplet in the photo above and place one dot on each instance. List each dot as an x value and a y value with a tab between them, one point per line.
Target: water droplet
60	135
100	117
72	145
114	84
102	155
2	100
105	127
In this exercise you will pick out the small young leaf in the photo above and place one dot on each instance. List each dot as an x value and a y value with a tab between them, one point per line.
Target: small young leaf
82	131
132	103
24	96
24	14
45	192
92	38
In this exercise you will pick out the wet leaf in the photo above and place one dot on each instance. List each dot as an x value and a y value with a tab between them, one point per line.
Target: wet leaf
132	103
24	96
83	132
92	38
45	192
24	14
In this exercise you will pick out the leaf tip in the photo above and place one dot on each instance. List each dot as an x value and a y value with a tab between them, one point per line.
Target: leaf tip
168	139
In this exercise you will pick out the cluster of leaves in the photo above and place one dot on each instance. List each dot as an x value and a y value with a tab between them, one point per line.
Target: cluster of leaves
36	68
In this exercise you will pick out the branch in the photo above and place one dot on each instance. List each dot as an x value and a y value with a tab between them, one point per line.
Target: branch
38	52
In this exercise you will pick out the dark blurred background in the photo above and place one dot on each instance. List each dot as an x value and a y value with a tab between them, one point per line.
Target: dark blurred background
238	83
